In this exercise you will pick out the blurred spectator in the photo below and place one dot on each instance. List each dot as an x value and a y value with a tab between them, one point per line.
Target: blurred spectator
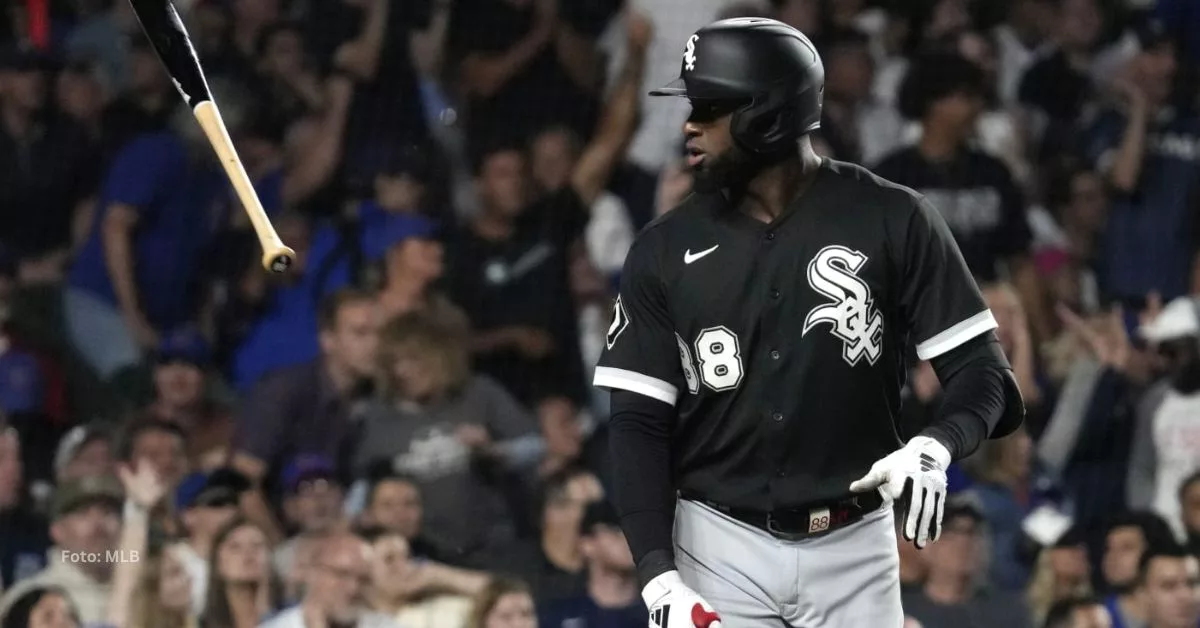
1057	86
25	541
1185	21
393	503
145	105
106	31
1062	574
145	592
1169	578
1146	149
592	294
612	593
161	443
85	521
453	431
205	503
312	502
563	433
1014	333
411	267
954	593
508	267
79	97
242	591
1189	503
418	593
307	409
553	564
554	154
46	162
41	607
337	584
1024	35
858	128
135	277
1077	613
1166	447
1130	537
182	397
974	191
523	65
1002	470
83	451
286	80
505	603
913	567
674	184
653	144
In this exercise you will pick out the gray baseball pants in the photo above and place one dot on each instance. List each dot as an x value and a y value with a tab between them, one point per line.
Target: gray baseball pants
848	578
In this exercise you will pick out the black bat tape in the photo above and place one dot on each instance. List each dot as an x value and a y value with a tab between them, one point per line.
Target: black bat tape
166	33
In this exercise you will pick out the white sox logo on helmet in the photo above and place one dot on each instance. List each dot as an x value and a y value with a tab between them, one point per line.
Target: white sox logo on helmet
852	316
689	53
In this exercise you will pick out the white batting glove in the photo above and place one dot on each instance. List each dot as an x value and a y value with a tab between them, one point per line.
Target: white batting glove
916	473
674	604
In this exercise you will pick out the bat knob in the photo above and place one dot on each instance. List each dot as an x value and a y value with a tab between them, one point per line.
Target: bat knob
278	260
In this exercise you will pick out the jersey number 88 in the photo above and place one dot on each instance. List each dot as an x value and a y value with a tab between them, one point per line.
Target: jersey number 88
719	360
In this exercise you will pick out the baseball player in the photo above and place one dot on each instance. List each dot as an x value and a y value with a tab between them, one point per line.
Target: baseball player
757	353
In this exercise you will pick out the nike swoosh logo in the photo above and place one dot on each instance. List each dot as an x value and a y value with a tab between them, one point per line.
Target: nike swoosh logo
689	257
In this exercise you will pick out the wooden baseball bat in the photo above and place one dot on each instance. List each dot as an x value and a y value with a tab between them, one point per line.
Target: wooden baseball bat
170	40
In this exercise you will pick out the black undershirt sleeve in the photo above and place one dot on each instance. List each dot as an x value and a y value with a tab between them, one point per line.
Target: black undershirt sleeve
979	395
640	437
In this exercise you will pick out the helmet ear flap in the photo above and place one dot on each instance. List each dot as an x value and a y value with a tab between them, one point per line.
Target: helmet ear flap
766	126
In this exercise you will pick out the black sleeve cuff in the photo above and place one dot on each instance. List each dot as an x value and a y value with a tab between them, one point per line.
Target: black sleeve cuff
654	564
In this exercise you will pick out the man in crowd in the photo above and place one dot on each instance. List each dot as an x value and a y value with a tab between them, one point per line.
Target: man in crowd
954	593
86	523
1170	582
84	450
205	502
336	588
159	442
181	396
554	563
22	531
306	409
611	598
418	593
313	504
1189	504
1077	613
1129	537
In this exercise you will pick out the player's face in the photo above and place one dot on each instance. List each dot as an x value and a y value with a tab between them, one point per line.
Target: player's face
1172	591
1122	549
713	157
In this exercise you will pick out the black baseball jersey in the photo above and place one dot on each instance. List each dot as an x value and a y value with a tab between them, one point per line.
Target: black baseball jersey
782	345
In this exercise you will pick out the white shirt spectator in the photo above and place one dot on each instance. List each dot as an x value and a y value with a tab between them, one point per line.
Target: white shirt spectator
196	567
609	233
1013	58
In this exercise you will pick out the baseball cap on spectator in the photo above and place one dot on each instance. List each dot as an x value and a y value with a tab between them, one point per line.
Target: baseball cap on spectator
599	513
963	505
306	468
74	441
1179	319
85	491
186	344
222	487
393	231
411	160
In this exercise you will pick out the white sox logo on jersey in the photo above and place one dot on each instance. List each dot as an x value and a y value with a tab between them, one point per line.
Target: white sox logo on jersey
852	316
620	321
689	53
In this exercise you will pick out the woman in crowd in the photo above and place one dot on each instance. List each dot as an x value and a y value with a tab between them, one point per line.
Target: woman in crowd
242	591
418	593
42	607
1062	573
1001	470
505	603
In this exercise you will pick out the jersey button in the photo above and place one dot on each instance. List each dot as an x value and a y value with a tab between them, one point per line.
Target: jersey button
770	235
781	473
774	293
778	416
774	355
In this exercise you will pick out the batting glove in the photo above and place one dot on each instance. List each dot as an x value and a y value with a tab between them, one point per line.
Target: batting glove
674	604
916	475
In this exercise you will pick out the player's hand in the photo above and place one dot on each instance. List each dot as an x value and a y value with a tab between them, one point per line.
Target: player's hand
673	604
916	475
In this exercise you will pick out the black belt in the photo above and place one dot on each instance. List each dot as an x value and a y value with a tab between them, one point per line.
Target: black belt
804	521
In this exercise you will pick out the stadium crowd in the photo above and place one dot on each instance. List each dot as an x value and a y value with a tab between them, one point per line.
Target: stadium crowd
401	431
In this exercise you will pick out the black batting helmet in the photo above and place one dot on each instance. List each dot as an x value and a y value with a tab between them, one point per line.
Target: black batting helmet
768	64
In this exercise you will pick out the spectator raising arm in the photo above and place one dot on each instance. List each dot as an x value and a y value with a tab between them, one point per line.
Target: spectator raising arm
483	75
143	490
619	121
318	158
1125	167
578	54
428	47
360	56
